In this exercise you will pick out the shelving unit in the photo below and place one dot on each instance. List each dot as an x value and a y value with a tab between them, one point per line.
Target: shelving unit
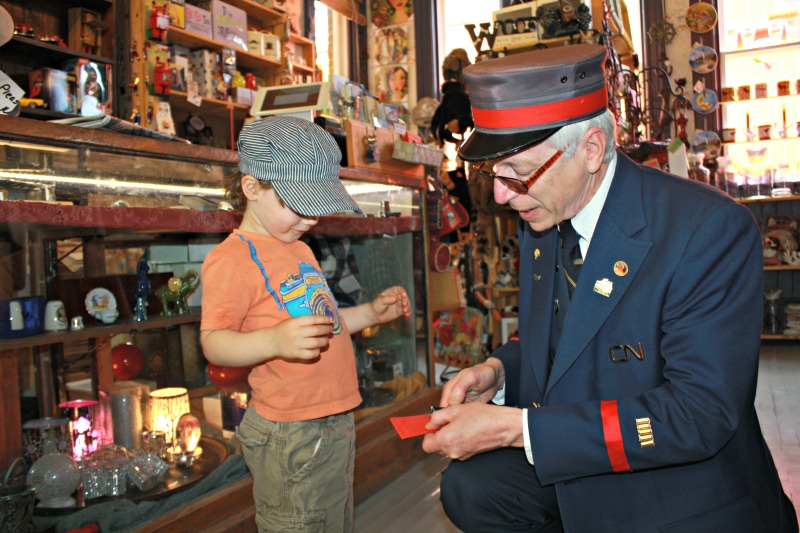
21	54
226	118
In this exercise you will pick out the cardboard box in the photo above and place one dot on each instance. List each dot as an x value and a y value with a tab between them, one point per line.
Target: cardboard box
242	95
272	46
255	42
177	13
228	23
54	86
280	5
204	65
93	86
180	67
198	20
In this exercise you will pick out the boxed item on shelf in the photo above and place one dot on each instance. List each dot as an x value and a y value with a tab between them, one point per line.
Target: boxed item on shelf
228	23
92	85
198	20
272	46
56	87
177	13
274	4
205	68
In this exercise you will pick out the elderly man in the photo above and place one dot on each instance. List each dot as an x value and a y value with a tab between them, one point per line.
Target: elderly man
628	396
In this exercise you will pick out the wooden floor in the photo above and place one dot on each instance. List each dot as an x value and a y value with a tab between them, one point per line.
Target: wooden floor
411	503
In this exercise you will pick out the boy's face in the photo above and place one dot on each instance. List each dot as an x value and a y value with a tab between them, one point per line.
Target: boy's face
267	214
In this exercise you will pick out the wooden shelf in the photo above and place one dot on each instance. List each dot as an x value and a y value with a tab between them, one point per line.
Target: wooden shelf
244	59
26	46
768	199
752	100
781	267
93	332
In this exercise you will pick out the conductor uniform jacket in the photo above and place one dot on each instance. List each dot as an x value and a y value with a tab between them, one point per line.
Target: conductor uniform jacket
646	420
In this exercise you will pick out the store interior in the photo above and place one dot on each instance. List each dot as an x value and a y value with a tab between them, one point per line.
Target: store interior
119	122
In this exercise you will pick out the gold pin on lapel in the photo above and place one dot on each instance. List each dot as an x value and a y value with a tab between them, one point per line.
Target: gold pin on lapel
536	254
603	287
621	268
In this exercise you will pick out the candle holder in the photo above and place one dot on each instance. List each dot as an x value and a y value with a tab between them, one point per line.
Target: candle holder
85	437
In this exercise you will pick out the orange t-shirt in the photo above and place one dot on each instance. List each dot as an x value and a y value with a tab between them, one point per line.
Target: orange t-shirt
244	290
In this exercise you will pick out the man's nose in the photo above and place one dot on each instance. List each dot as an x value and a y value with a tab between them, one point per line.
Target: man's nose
502	194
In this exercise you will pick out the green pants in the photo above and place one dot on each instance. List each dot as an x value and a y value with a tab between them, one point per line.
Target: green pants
302	472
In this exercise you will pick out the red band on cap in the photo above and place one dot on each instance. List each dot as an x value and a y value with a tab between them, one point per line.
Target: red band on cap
542	114
613	436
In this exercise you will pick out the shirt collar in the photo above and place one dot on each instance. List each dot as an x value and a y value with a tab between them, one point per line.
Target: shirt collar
585	221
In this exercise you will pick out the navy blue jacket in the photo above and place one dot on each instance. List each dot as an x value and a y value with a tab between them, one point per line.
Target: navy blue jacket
646	421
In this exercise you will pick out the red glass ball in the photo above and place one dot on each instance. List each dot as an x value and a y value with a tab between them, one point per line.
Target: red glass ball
229	377
127	361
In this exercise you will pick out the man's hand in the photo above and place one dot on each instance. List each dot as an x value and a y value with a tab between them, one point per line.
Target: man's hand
475	384
469	429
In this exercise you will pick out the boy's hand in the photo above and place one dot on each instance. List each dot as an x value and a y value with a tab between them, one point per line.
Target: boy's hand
390	304
302	338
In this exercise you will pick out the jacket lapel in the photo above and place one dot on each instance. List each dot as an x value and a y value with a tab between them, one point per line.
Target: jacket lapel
601	286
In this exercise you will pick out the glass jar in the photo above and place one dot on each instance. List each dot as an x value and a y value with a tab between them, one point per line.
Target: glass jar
773	322
697	171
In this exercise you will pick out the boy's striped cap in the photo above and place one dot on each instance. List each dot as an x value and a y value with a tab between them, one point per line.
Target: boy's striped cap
300	160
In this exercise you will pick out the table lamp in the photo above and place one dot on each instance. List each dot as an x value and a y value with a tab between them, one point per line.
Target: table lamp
166	407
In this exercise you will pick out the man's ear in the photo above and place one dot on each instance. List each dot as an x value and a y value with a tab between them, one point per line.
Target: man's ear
595	142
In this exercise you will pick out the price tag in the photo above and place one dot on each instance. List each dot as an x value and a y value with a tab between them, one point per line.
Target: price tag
10	94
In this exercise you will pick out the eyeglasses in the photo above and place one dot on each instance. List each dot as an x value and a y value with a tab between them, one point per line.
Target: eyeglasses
518	186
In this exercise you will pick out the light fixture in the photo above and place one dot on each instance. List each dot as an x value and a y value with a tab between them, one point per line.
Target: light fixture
166	407
109	183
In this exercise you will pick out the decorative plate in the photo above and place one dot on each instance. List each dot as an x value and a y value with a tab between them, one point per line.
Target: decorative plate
99	300
707	142
701	17
705	101
703	59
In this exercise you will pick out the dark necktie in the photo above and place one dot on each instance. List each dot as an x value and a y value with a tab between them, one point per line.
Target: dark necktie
571	257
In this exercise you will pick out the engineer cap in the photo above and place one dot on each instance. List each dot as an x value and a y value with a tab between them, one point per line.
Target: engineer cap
521	99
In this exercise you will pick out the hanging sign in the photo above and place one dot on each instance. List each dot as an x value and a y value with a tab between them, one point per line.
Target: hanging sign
10	94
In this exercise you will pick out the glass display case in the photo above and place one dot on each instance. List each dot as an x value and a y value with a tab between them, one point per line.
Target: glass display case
80	210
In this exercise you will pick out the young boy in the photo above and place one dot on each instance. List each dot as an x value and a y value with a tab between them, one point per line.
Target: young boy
267	305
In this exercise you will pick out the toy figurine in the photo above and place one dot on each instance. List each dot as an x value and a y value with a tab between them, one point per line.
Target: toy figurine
173	295
162	77
159	21
250	81
143	287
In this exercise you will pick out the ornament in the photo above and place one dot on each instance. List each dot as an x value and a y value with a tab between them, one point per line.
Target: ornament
229	377
127	361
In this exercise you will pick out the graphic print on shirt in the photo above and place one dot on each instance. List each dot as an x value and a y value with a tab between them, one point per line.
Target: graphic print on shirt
307	293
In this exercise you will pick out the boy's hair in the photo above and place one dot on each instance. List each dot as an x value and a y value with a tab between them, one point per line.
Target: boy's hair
301	162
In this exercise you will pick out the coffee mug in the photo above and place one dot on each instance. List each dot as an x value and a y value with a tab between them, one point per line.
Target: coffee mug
15	316
55	316
727	94
743	92
729	135
761	90
783	88
765	132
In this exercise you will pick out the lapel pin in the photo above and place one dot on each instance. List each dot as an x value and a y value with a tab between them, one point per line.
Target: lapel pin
603	287
536	254
621	268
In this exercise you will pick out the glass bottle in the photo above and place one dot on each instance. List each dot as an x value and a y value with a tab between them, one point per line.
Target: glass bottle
697	171
772	311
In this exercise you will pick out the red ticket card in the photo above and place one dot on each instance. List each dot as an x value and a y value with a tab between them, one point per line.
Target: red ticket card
411	426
